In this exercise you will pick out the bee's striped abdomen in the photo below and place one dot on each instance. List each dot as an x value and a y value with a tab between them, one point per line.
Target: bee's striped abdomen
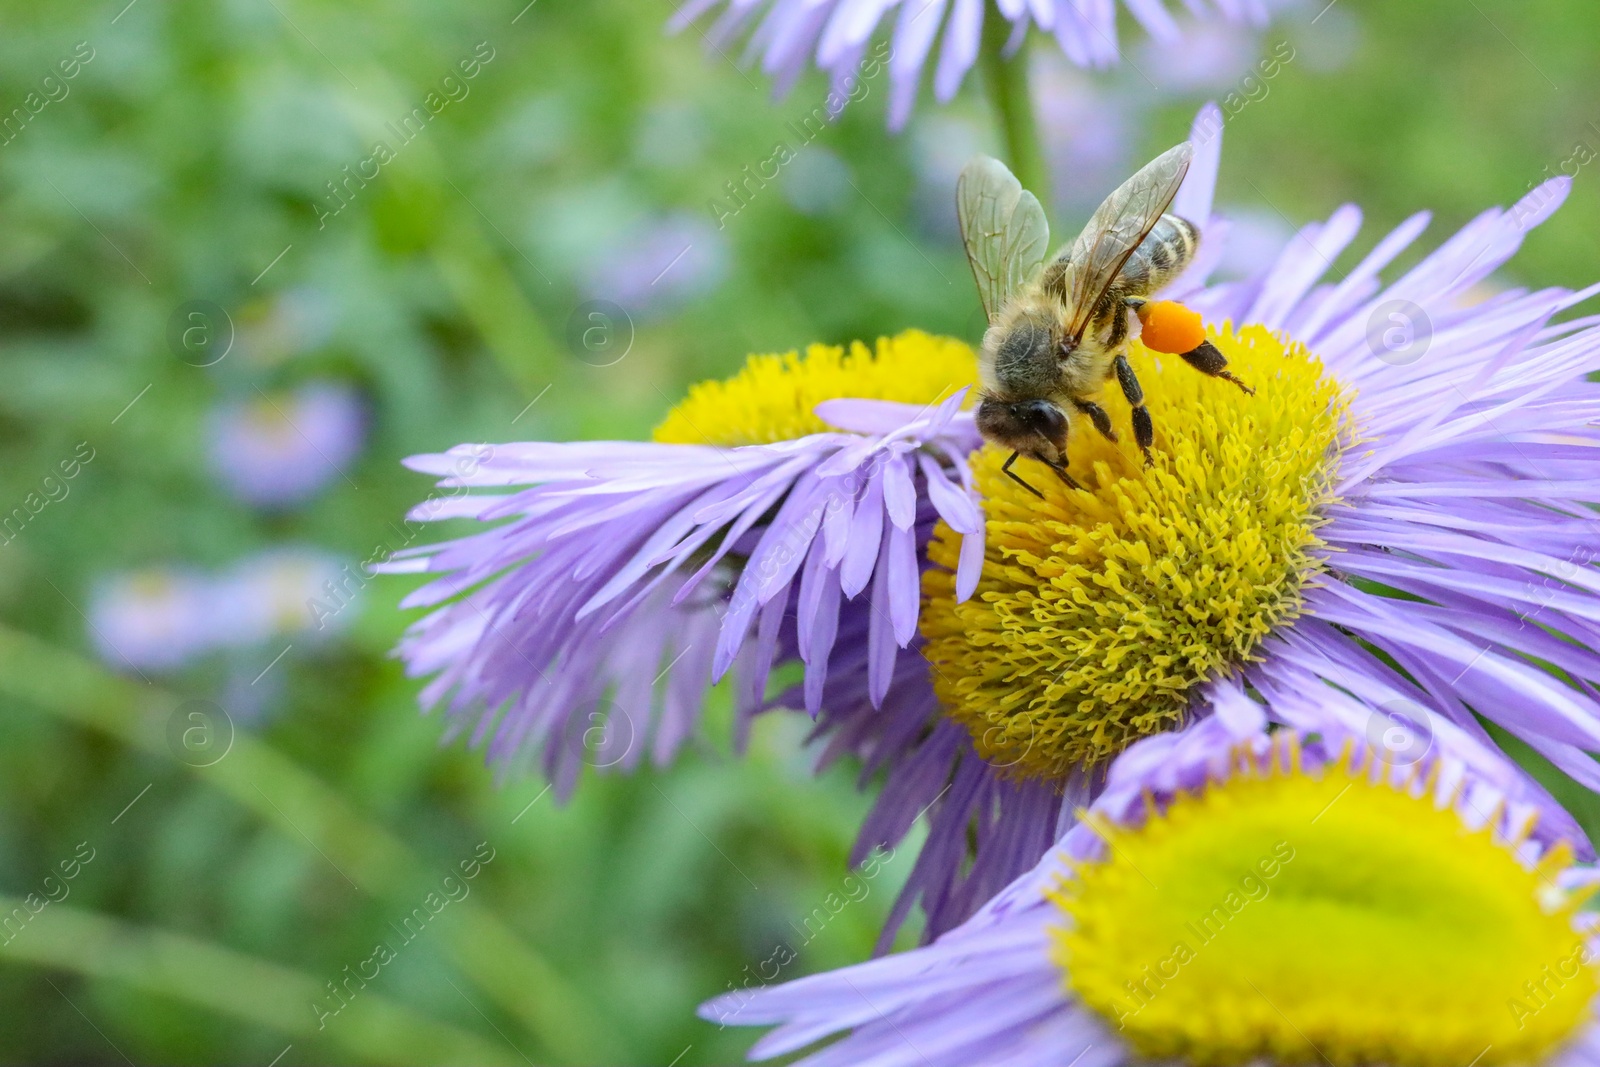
1161	256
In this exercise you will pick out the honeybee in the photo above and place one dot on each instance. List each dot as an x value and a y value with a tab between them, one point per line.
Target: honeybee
1058	330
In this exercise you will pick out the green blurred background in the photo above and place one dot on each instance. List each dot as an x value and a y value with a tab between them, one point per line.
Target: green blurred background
186	162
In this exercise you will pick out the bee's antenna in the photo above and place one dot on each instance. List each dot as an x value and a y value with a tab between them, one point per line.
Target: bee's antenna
1061	469
1005	468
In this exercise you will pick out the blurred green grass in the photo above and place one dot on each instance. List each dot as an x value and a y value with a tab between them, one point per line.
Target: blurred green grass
188	154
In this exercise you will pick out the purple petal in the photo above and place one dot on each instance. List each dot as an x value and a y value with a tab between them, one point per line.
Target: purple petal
899	493
866	527
880	634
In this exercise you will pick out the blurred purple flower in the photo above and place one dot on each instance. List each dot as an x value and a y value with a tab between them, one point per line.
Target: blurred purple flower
941	145
789	34
817	181
164	618
1214	56
1255	236
663	264
281	450
1087	133
159	618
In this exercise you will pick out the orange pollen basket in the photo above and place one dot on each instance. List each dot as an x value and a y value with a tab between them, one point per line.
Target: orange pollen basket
1168	326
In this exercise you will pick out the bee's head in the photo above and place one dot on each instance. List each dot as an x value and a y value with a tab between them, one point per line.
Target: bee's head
1032	427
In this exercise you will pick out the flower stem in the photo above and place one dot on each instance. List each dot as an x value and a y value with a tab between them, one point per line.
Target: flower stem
1007	81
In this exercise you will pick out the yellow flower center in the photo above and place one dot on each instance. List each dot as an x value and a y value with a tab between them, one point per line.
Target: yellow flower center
773	398
1324	919
269	421
1100	609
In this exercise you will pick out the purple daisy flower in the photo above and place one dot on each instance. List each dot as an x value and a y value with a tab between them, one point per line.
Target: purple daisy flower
1394	515
789	34
281	450
620	580
1234	896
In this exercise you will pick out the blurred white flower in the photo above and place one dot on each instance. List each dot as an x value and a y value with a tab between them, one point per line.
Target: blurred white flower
291	590
276	329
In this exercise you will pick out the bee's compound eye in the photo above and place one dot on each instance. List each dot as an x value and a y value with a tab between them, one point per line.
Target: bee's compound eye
1045	419
1168	326
996	420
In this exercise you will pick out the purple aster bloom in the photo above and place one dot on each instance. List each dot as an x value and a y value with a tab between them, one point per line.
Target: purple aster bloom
1235	896
619	580
1398	491
660	264
1424	495
1480	424
787	35
276	451
156	619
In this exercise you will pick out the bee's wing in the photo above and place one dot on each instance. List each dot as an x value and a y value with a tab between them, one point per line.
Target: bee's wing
1115	230
1003	228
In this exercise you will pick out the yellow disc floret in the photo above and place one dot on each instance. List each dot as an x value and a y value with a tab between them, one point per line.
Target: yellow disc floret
773	398
1100	608
1324	918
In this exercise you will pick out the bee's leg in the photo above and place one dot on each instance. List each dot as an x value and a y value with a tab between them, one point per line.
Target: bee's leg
1207	360
1098	416
1144	431
1119	325
1005	468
